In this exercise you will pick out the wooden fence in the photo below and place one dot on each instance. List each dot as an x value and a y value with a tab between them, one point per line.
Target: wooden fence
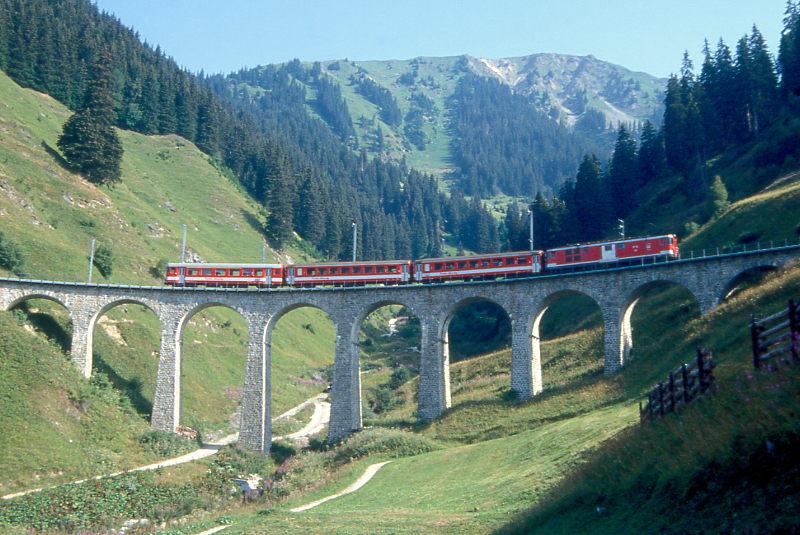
684	385
776	336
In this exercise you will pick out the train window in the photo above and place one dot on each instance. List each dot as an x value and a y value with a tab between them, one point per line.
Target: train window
259	272
664	241
367	269
299	272
323	271
380	269
247	272
450	265
473	263
427	267
392	269
194	272
620	246
219	272
509	261
235	272
437	266
607	247
462	264
334	271
356	269
497	261
485	263
345	271
311	271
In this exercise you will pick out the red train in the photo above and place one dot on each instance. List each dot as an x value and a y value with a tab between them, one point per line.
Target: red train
425	270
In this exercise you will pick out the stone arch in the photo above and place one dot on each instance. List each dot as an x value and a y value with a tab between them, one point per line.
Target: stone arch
57	333
137	386
748	274
532	336
362	316
38	295
629	305
234	374
437	376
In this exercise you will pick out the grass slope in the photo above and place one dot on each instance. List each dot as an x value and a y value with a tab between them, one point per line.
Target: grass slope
52	214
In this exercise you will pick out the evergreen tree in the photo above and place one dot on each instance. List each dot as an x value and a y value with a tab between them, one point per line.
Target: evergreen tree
516	228
590	209
718	197
280	200
89	141
311	211
651	158
789	52
763	83
623	174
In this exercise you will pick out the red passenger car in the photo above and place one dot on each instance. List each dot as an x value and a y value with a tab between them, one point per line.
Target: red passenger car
349	273
201	274
613	251
514	264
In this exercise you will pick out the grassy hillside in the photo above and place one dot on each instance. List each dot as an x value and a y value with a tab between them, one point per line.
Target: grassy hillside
51	214
56	425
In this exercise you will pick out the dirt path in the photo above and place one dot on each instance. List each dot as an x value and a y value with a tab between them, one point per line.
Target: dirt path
320	418
368	474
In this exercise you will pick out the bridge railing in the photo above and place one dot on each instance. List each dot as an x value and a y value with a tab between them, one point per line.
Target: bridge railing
776	337
683	385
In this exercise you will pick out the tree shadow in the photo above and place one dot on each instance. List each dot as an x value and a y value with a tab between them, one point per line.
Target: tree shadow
57	157
131	388
49	326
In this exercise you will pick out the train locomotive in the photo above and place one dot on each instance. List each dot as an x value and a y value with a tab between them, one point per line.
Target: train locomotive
426	270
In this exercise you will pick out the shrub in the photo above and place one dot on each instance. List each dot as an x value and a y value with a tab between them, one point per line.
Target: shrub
159	269
399	376
166	444
391	442
10	254
104	260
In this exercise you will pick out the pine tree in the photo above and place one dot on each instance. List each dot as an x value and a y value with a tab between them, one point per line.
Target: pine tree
718	197
764	82
89	141
311	211
623	174
590	209
280	200
651	158
789	52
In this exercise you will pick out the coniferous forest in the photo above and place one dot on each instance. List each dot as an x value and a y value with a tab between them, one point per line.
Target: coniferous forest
283	157
311	181
740	100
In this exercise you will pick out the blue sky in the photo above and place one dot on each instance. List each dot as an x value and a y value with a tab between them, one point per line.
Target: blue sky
643	35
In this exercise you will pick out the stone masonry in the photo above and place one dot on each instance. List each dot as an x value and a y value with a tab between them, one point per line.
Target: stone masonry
616	291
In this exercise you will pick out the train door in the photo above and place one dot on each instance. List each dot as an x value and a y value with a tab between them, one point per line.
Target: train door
290	276
537	267
182	271
608	252
268	272
405	273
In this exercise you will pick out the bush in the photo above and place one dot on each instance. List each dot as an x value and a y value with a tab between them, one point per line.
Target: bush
10	254
104	260
166	444
385	399
399	376
159	270
391	442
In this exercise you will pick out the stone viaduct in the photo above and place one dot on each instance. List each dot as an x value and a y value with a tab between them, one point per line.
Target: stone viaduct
615	290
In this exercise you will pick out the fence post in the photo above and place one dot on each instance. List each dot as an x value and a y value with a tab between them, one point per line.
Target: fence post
701	371
754	339
671	392
794	330
685	379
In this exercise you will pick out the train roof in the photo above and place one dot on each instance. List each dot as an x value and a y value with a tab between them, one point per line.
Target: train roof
219	264
476	256
610	242
361	263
